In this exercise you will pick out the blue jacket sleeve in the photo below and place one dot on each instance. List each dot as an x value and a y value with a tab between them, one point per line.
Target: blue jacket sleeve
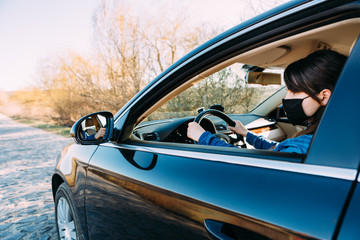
88	137
209	139
259	142
295	145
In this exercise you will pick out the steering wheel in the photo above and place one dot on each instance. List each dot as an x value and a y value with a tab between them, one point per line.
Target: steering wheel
224	117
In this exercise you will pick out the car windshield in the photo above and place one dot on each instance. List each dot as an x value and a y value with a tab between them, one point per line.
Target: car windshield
227	87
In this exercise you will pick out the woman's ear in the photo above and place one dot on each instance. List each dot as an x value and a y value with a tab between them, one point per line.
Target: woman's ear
324	96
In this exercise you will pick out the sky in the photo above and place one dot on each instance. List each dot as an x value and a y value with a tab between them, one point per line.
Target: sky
31	31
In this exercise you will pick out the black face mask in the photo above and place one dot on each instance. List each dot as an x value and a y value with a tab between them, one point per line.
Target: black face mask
294	111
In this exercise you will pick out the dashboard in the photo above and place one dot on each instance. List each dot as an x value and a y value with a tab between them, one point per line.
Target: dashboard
175	130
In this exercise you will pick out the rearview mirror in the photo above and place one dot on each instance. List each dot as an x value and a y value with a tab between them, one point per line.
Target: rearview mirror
263	78
94	128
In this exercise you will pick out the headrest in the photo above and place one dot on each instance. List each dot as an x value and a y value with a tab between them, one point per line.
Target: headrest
89	122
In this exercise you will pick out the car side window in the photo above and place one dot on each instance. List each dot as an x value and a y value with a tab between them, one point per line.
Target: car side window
234	90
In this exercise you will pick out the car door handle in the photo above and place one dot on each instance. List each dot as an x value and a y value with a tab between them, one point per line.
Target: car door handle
226	231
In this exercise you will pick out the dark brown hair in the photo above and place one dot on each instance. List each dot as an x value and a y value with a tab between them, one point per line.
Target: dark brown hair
318	71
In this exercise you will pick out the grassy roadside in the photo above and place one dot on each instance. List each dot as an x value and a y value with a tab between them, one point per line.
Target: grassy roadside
47	126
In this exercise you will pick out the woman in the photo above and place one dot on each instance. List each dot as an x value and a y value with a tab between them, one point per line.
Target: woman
310	82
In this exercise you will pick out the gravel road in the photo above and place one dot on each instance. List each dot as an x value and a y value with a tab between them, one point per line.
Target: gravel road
27	160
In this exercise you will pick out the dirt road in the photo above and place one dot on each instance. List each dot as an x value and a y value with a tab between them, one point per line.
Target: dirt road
27	159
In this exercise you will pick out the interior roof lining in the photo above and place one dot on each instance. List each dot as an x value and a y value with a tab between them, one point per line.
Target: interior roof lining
348	26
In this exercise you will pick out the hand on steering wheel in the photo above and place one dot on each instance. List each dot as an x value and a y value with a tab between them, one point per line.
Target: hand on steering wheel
224	117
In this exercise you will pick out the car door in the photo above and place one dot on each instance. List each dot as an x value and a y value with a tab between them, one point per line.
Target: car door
182	193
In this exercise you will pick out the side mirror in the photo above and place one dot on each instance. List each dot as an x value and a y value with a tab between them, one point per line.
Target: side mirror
263	78
94	128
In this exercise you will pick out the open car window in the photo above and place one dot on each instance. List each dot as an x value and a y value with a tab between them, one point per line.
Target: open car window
235	90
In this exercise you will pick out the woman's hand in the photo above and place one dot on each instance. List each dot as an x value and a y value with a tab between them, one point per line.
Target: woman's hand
194	131
239	128
100	133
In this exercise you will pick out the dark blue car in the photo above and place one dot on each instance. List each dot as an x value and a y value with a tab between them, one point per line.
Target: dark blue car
145	179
